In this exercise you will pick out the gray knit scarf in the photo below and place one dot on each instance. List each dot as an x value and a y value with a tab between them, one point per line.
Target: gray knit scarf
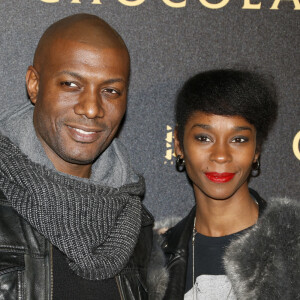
95	226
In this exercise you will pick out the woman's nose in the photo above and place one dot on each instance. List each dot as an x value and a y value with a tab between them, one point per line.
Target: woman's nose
220	153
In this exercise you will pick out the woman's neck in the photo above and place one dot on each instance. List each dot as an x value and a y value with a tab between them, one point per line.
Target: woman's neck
223	217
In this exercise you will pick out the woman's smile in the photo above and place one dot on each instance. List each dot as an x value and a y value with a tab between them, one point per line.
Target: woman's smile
219	177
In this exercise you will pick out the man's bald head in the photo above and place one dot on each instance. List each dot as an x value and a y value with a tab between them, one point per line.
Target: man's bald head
82	28
78	85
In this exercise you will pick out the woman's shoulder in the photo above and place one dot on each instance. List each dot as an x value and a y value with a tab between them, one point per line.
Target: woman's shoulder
268	253
278	224
176	237
281	214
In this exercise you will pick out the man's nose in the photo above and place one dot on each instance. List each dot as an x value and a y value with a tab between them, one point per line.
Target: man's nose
221	153
90	105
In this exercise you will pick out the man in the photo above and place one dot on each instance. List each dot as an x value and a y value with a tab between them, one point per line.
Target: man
72	225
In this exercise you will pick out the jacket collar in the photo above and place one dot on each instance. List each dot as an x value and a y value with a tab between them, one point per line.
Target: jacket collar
177	238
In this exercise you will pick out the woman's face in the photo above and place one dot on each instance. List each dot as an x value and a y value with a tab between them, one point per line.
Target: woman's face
219	152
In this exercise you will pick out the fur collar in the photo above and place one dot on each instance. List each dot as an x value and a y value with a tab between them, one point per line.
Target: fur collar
157	276
264	263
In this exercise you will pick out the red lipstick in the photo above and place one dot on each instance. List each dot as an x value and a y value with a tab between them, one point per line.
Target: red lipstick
219	177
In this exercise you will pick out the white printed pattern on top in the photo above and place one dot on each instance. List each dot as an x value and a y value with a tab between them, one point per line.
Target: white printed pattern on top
211	287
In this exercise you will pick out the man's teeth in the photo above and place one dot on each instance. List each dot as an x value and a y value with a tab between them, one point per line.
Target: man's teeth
83	132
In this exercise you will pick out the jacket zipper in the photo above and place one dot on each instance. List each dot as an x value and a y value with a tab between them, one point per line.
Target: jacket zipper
51	272
174	259
119	288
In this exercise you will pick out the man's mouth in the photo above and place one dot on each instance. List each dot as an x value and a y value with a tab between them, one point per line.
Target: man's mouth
83	131
219	177
84	134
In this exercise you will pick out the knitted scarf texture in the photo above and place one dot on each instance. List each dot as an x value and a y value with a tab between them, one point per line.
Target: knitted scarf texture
96	226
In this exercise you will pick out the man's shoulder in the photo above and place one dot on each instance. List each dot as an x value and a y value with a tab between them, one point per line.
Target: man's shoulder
147	217
11	232
16	234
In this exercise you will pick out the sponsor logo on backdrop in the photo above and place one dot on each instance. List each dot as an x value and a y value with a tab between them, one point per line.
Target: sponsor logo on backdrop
296	145
170	154
245	4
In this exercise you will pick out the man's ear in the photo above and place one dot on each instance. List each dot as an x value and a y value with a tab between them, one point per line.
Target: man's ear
177	146
32	83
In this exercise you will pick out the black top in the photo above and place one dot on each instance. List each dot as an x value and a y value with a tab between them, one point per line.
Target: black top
208	264
69	286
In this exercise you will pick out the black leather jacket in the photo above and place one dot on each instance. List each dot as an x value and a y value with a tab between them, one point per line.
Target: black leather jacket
26	260
175	247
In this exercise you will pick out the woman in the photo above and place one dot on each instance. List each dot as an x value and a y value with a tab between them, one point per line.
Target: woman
233	244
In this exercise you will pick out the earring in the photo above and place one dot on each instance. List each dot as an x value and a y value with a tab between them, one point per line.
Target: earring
255	169
180	163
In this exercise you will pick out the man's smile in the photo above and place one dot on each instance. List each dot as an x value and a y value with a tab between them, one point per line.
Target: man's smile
84	134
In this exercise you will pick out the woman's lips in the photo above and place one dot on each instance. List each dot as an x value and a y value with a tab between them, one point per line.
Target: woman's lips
219	177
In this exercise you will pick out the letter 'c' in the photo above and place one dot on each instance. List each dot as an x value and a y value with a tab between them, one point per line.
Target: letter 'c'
132	3
176	5
296	145
215	5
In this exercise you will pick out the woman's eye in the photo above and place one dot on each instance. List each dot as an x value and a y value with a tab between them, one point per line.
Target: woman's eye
203	138
69	84
240	139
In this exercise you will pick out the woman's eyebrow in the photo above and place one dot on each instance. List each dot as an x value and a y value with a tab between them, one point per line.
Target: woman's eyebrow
204	126
242	128
237	128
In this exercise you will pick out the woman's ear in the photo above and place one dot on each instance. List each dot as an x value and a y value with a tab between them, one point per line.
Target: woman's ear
256	156
32	83
177	146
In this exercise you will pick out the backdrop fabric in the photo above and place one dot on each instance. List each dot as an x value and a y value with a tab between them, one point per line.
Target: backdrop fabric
169	41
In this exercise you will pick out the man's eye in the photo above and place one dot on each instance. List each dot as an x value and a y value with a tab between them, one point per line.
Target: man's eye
111	91
69	84
240	139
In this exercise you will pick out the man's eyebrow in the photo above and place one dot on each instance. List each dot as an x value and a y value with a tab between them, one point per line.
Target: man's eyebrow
113	80
78	76
73	74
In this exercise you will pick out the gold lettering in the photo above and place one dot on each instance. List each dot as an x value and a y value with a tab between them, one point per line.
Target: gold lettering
169	137
296	145
248	5
96	2
296	4
176	5
168	154
131	3
50	1
215	5
76	1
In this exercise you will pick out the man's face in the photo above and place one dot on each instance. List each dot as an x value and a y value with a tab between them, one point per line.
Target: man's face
80	99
